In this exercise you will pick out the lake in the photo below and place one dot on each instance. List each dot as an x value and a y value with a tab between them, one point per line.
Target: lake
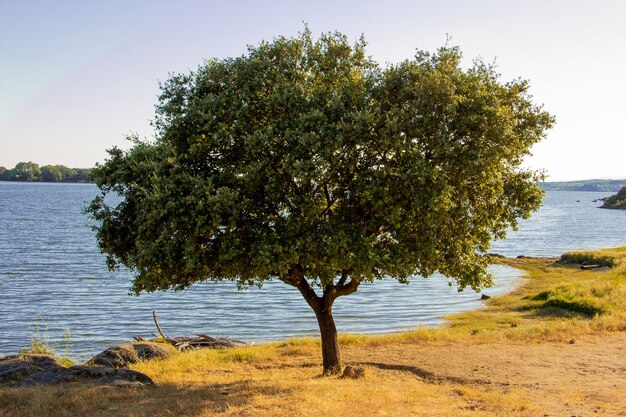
53	278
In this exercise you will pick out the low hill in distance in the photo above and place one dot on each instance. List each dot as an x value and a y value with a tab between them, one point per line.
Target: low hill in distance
32	172
585	185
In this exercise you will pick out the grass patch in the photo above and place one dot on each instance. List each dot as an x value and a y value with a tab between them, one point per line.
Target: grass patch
574	298
40	344
588	258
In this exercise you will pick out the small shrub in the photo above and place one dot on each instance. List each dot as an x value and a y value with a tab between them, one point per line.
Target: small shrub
542	296
573	298
40	344
588	258
575	307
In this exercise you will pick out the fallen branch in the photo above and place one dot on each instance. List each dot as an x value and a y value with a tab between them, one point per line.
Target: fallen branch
204	341
157	325
187	343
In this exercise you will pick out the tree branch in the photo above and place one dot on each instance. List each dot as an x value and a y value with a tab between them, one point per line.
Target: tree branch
346	289
332	292
295	277
157	325
344	277
309	295
289	280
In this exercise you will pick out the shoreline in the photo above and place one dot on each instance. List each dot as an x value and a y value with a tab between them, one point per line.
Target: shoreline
542	349
471	301
517	282
74	275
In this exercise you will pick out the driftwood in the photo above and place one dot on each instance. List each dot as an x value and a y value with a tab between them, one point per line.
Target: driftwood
203	341
157	325
187	343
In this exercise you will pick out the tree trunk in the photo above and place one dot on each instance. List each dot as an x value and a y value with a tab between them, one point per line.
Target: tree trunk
322	306
330	346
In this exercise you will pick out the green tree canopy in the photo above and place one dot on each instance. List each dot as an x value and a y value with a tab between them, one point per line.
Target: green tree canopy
54	173
617	201
26	171
304	161
30	171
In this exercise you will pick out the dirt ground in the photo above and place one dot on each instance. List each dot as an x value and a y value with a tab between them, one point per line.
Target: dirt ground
582	377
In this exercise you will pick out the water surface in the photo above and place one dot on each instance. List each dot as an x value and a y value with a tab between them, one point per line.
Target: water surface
52	271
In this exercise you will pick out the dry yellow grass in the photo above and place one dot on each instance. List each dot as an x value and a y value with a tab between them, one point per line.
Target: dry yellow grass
522	355
244	389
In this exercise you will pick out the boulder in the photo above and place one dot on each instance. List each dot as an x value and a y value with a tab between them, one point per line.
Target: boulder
353	372
98	375
17	367
120	356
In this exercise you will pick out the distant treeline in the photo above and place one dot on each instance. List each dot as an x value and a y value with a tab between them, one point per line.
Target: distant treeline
585	185
30	171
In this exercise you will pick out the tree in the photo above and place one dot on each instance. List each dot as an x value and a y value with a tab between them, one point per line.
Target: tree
303	161
51	173
26	171
78	175
617	201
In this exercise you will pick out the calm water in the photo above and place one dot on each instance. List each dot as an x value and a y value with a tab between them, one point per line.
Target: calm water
51	271
568	220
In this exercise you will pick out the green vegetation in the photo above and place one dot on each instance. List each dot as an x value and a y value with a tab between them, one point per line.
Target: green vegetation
587	257
40	344
32	172
555	302
584	185
305	162
617	201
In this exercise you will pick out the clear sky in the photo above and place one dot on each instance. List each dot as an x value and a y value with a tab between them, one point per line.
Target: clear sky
76	76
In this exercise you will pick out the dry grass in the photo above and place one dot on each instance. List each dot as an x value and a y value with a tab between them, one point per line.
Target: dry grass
244	389
420	373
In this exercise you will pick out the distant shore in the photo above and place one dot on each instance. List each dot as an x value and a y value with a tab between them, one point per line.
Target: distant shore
32	172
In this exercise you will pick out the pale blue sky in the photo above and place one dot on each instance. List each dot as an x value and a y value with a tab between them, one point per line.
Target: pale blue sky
75	76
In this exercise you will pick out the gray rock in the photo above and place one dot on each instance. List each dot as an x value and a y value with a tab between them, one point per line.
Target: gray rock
353	372
98	375
120	356
17	367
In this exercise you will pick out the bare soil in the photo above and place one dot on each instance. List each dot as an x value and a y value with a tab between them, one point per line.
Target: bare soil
582	377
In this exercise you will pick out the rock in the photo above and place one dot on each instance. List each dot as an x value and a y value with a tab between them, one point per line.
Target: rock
485	297
572	341
98	375
120	356
17	367
353	372
585	266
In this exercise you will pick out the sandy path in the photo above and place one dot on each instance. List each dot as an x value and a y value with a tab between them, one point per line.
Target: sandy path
587	377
